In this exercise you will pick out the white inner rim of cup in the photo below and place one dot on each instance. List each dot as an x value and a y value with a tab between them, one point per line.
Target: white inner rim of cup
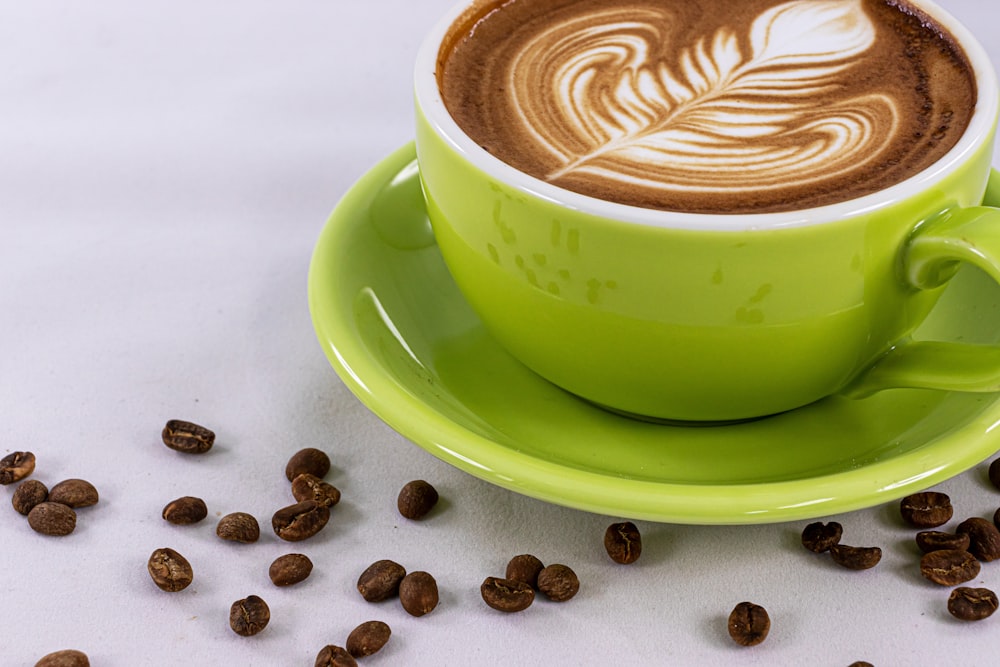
980	125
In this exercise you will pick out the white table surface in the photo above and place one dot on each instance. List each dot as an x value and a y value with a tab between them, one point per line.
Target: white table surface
165	170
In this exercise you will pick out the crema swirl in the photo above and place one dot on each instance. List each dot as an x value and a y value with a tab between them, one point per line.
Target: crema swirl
709	105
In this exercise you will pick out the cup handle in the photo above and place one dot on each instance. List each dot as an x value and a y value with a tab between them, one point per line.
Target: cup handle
932	256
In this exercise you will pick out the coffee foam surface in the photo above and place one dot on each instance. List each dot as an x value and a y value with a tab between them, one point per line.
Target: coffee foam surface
708	106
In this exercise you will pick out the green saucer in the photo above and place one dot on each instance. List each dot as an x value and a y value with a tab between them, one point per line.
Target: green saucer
400	335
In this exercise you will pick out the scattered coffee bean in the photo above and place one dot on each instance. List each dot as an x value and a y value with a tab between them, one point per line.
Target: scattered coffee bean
169	570
238	527
623	542
290	569
335	656
52	519
311	487
524	568
972	604
749	624
185	511
819	537
16	466
416	499
74	493
380	580
855	558
309	461
861	663
984	538
558	582
368	638
186	437
506	594
300	521
65	658
28	494
996	518
927	509
949	567
995	473
418	593
932	540
249	616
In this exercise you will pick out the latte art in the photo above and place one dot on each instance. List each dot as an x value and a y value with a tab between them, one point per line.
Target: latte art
775	105
639	122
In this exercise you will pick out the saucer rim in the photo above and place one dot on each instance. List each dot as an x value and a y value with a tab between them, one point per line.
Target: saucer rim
608	493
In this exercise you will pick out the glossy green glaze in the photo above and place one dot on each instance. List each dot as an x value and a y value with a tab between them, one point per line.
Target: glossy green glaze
685	324
709	317
401	336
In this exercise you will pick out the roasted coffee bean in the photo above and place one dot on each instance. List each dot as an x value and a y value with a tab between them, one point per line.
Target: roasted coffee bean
52	519
16	466
558	582
335	656
238	527
368	638
186	437
932	540
819	537
416	499
249	616
74	493
855	558
861	663
749	624
185	511
300	521
995	473
418	593
984	538
524	568
972	604
309	461
66	658
290	569
506	594
381	580
927	509
169	570
28	494
623	542
949	567
311	487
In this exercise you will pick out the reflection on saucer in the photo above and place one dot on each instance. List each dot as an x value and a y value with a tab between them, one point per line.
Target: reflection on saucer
679	422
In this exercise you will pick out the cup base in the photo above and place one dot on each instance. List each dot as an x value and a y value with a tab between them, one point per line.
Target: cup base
667	421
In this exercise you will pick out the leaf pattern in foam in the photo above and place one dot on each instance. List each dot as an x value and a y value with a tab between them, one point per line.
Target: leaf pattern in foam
617	111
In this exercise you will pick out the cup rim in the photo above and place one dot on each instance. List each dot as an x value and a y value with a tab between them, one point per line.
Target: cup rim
981	125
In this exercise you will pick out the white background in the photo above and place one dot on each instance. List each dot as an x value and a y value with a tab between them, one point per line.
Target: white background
165	170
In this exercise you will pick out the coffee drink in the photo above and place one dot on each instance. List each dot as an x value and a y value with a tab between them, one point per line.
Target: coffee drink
708	105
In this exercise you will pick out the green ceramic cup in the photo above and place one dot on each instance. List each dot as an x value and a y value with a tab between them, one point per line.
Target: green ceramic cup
698	317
